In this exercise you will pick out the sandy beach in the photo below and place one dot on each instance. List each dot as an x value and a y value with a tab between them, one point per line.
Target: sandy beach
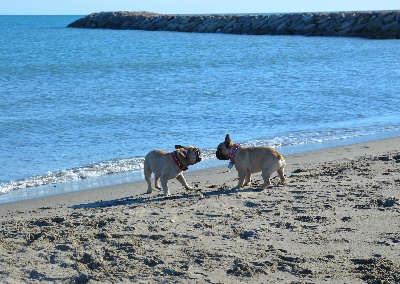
336	221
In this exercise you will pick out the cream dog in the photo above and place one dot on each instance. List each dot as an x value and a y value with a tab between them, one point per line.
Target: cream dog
169	165
250	160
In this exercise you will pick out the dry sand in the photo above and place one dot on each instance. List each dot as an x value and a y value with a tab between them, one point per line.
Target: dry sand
336	221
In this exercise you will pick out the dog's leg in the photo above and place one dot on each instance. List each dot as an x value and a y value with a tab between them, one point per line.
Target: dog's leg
241	180
266	176
247	179
147	176
266	183
157	182
164	185
281	175
182	180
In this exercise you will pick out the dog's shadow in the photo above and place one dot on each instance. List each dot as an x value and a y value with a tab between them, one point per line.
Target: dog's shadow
159	198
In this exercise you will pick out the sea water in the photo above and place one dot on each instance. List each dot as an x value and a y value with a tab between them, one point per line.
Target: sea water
80	108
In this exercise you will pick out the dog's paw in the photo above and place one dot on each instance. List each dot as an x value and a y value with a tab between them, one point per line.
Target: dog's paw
149	191
188	188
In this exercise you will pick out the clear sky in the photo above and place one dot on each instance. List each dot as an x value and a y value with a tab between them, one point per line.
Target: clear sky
84	7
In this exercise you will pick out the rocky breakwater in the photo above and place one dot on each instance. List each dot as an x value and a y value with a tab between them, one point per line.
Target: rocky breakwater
374	24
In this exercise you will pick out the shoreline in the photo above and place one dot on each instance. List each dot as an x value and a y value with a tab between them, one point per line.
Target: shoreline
366	24
109	191
117	179
336	221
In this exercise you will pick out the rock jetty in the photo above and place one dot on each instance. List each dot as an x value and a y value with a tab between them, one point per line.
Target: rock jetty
373	24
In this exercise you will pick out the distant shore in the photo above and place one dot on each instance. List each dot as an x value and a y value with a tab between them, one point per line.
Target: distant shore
371	24
336	221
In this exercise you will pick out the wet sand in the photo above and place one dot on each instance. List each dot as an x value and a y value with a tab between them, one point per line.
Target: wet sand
336	221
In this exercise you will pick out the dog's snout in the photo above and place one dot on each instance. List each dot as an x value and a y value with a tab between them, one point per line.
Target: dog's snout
218	154
198	155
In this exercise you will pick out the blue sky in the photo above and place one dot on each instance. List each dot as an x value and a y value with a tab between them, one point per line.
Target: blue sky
84	7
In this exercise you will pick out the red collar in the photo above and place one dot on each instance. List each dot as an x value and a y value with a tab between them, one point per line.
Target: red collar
233	154
178	162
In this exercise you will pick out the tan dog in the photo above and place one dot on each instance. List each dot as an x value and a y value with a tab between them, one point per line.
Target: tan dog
251	160
169	165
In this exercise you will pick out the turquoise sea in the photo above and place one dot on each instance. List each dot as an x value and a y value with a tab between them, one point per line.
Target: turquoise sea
80	108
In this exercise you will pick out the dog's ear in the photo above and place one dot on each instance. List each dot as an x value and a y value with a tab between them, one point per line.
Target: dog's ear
227	141
183	152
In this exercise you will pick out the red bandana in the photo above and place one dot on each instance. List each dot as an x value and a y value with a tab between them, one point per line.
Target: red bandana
178	162
233	154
